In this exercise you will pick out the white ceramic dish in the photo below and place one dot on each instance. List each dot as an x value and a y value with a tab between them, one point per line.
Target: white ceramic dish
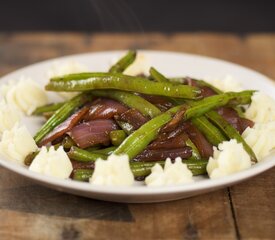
171	64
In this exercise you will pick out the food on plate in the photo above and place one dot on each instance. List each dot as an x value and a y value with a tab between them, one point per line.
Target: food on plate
17	143
63	68
25	94
226	84
172	174
229	157
113	171
125	125
52	162
261	109
9	116
261	138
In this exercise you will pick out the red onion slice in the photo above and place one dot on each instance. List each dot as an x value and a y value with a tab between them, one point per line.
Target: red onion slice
205	148
133	117
103	108
161	102
64	127
232	117
175	121
162	154
175	142
93	132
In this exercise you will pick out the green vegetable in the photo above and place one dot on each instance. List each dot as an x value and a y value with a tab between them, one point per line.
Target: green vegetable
161	78
230	98
47	108
93	148
81	155
124	62
82	174
29	158
61	115
126	127
106	151
156	75
211	132
117	137
131	100
195	151
68	142
119	81
138	140
202	83
230	132
143	169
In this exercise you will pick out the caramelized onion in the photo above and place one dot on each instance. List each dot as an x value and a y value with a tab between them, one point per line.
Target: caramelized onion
132	117
82	165
207	91
162	154
232	117
93	132
204	147
175	121
64	127
103	108
175	142
161	102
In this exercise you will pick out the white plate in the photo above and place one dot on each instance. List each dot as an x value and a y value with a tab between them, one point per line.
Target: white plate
171	64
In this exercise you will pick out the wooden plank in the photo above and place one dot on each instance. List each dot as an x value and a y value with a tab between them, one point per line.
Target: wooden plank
253	202
50	214
32	211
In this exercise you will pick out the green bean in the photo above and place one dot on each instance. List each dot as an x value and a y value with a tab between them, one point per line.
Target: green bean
117	137
202	83
29	158
47	108
143	169
131	100
106	151
126	127
93	148
47	115
156	75
68	142
60	116
161	78
138	140
211	132
124	62
195	151
82	155
208	103
82	174
122	82
230	131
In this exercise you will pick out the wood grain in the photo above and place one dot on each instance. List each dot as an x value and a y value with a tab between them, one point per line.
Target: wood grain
244	211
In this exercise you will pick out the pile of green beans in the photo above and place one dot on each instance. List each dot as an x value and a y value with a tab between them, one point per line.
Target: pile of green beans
129	90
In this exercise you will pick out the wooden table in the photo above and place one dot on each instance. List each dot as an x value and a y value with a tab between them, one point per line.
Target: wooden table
244	211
